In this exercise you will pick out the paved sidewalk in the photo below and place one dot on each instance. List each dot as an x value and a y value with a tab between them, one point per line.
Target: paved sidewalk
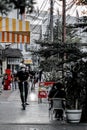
35	117
10	109
5	94
42	127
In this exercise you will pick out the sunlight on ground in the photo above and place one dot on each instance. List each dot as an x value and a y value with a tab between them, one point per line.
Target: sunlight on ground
32	96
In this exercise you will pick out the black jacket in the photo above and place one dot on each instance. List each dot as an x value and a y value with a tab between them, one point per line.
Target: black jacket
55	93
22	75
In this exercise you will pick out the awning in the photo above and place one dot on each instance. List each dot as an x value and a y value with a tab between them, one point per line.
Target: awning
14	31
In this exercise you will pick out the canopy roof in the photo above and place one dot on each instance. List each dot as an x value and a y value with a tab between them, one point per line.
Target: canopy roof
14	31
12	53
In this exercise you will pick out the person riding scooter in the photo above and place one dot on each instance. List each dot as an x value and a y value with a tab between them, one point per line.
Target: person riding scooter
22	78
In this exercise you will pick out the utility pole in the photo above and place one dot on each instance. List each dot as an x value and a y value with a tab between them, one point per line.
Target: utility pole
58	23
63	21
17	18
51	20
41	32
63	35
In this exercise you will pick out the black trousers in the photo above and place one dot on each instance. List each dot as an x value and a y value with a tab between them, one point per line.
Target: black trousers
23	91
59	113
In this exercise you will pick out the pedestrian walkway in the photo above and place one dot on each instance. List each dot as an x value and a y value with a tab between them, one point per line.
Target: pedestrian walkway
35	117
10	109
4	94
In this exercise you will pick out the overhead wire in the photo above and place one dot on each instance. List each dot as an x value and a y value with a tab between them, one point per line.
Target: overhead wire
72	14
38	30
32	23
40	10
68	4
60	17
34	18
45	5
70	8
38	16
37	24
35	27
58	3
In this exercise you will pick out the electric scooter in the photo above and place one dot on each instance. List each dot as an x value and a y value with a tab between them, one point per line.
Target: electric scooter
24	105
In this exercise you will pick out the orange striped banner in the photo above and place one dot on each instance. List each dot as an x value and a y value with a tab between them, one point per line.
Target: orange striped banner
3	37
7	37
14	31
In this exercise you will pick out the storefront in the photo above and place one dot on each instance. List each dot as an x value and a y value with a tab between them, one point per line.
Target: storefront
13	31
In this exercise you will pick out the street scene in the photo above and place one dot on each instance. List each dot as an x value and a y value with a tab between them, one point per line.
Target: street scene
35	117
43	64
12	113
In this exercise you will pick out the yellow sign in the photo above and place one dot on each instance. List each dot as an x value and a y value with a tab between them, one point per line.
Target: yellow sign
27	61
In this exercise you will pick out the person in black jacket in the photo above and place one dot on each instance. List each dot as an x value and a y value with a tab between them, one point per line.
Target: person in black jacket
57	92
22	78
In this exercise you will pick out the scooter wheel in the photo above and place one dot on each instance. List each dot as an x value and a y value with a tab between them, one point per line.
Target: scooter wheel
24	106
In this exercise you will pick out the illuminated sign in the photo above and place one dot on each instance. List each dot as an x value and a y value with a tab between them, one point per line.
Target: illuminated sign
28	61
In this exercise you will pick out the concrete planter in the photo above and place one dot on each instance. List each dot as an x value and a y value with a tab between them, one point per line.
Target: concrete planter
73	116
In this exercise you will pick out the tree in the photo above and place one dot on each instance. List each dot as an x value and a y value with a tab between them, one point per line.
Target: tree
52	53
71	35
57	31
83	22
8	5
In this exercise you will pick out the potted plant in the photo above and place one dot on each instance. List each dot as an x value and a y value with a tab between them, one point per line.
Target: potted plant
75	92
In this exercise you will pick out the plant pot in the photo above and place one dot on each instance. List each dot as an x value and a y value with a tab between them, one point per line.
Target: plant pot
73	116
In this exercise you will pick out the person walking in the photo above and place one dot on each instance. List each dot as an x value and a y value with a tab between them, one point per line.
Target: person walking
22	78
40	75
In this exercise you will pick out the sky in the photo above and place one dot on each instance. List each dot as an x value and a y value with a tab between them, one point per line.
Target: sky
82	10
45	5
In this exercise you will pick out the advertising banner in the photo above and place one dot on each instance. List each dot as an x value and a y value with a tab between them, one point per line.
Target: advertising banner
44	88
